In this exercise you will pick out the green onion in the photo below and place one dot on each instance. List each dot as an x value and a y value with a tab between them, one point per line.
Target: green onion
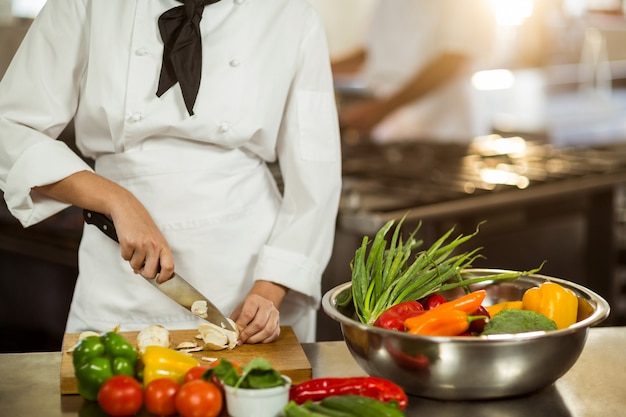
384	275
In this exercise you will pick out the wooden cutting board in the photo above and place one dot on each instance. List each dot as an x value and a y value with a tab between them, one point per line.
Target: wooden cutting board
285	354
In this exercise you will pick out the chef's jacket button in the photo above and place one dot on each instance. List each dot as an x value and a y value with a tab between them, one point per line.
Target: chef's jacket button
136	117
234	63
141	52
224	127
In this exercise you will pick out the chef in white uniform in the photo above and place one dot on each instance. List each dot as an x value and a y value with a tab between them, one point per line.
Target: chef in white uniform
187	187
417	62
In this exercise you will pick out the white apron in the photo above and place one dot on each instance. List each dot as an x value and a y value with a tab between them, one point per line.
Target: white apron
216	207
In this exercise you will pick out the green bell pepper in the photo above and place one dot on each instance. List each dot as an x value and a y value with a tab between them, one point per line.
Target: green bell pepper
98	358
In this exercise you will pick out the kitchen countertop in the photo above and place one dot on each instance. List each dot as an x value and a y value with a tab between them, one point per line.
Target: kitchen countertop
594	386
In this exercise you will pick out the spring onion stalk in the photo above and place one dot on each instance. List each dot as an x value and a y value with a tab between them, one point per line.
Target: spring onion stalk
388	273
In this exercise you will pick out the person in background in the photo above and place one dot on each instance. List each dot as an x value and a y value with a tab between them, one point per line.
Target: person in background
181	105
417	63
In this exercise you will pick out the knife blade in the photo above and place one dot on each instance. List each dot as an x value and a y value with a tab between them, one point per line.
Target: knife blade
176	288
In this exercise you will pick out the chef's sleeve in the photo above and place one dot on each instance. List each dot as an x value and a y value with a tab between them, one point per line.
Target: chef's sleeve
309	156
38	97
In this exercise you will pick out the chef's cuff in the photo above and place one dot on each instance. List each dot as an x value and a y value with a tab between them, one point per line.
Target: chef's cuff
41	164
291	269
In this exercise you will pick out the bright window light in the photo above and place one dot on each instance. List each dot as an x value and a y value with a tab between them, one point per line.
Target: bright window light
496	79
512	12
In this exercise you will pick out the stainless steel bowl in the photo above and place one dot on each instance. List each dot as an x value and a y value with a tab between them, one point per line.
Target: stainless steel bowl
468	368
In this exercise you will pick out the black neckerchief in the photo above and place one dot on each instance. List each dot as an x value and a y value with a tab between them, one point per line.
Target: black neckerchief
182	49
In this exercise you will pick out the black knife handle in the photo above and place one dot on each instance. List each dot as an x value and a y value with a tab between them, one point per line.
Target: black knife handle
102	222
106	226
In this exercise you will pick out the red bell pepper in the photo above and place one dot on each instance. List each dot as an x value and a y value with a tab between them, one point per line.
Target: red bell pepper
393	318
380	389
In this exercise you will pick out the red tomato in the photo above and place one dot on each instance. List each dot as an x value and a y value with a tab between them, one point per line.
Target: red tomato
120	396
434	301
195	373
160	396
199	398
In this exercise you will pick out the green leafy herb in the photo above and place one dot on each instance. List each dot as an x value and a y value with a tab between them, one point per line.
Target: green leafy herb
225	371
383	274
258	373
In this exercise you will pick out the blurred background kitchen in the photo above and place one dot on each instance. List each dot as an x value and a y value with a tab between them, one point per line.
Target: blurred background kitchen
547	178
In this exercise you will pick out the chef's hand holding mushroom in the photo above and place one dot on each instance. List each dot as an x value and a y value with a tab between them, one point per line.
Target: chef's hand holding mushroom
257	317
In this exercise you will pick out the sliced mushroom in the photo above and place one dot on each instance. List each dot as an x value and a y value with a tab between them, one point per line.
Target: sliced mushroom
199	308
87	334
189	347
154	335
218	338
191	350
186	345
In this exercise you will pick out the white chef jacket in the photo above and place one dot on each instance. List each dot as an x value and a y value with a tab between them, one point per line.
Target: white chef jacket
266	94
404	36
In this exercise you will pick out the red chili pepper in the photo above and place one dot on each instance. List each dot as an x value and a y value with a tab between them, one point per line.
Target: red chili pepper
393	318
368	386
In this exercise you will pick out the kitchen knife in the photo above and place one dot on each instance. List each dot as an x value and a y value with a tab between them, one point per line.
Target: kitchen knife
176	287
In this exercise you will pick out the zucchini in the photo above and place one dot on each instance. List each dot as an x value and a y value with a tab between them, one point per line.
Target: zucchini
294	410
361	406
319	408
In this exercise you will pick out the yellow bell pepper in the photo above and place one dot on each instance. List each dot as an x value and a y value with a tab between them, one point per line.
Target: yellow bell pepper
162	362
553	301
496	308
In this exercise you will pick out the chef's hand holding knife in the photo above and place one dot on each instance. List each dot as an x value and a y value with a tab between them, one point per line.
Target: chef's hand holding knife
142	243
149	254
